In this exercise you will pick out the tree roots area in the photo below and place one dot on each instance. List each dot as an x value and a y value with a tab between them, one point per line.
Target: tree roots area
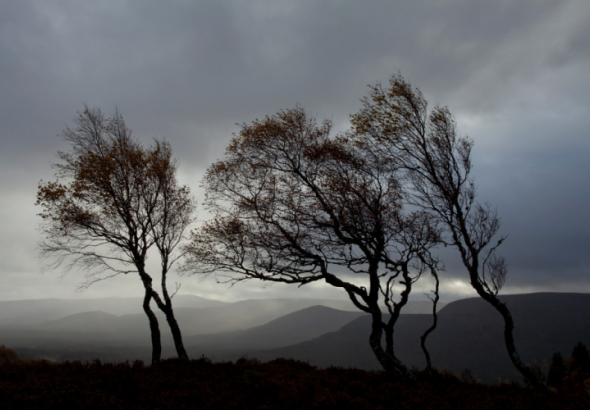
250	384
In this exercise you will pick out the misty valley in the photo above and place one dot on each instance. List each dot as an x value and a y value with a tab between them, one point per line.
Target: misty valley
323	333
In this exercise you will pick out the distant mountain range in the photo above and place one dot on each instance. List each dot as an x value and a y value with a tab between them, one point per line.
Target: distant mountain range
324	333
34	311
60	323
469	336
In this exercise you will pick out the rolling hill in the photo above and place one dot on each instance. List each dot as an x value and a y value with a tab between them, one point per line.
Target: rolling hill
469	335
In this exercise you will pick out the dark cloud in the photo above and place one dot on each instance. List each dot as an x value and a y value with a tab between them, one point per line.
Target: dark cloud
514	73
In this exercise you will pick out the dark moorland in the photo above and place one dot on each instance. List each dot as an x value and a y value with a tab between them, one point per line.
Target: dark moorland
249	384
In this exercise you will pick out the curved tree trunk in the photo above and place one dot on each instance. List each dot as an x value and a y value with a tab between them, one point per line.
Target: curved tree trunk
431	328
472	265
390	363
166	308
508	335
154	328
176	335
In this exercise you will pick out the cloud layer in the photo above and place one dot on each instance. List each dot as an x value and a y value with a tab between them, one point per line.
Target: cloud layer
514	73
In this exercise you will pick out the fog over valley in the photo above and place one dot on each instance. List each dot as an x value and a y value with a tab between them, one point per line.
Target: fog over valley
324	333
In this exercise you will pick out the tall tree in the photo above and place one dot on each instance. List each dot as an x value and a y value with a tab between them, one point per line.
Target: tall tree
112	201
292	204
395	122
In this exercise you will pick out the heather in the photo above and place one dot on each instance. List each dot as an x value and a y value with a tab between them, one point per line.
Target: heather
250	384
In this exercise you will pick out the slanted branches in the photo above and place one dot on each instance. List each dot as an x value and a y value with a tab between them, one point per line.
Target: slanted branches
435	165
292	204
112	201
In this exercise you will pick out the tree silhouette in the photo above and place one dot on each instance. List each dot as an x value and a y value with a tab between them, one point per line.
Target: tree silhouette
433	266
293	205
580	359
112	201
395	122
557	371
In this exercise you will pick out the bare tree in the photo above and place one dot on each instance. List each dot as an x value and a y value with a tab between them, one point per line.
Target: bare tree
293	205
112	201
396	123
433	266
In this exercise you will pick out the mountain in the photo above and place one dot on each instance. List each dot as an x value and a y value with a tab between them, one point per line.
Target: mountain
304	324
85	323
469	335
108	335
216	317
27	312
92	335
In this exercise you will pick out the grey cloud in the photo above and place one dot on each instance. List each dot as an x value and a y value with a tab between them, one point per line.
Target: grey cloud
514	73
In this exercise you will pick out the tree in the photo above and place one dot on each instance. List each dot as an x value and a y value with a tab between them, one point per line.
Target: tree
293	205
580	359
112	201
557	371
433	266
395	122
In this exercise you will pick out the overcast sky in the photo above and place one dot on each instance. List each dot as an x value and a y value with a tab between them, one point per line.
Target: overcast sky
516	74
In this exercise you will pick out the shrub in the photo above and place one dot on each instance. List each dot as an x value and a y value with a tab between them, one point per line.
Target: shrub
557	371
8	356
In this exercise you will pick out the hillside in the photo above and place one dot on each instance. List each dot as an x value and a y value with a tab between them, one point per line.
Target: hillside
299	326
27	312
248	384
469	335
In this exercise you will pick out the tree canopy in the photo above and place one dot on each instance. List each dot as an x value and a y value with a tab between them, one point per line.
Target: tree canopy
293	204
435	165
112	201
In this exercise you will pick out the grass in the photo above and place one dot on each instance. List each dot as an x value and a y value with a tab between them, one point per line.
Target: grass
249	384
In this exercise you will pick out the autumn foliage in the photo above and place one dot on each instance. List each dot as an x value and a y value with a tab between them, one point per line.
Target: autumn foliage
293	204
112	202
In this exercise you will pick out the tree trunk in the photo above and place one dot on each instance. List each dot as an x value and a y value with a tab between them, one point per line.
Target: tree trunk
154	328
509	335
391	364
166	308
431	328
176	335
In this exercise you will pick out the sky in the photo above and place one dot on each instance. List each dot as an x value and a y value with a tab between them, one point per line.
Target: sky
516	75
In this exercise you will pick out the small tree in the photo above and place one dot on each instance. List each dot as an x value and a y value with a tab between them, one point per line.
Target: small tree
113	200
557	371
293	205
7	356
395	122
433	266
580	359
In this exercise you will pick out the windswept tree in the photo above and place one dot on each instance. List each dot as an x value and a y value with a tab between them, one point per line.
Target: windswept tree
112	201
293	205
434	267
435	165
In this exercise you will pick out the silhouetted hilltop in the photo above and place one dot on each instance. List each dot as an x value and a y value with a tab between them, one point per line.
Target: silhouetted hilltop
469	335
26	312
292	328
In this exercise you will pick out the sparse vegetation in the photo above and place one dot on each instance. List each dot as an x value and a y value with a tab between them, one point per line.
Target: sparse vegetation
572	374
249	384
7	356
